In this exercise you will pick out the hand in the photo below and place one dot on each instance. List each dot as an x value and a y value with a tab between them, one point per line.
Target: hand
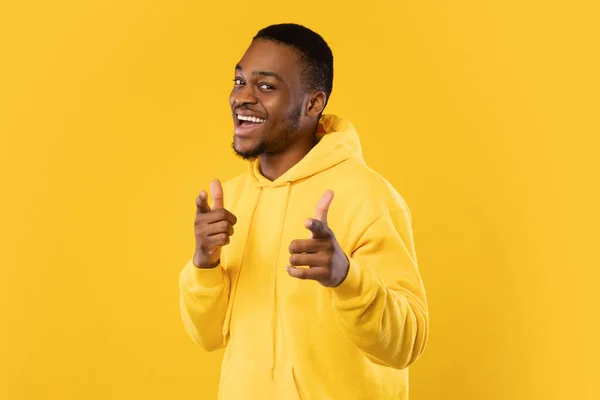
322	253
212	227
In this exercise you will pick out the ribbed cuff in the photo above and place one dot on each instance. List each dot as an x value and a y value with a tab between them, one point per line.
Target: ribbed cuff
207	278
353	286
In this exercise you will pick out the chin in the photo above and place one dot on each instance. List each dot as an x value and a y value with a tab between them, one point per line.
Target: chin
244	145
247	149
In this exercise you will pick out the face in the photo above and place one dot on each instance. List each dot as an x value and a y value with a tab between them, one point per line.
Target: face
267	99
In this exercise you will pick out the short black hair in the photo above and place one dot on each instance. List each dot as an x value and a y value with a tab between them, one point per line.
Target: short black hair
313	50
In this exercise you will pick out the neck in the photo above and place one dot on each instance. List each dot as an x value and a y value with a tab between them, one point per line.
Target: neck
273	165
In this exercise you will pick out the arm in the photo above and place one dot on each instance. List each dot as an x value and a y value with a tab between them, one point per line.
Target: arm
203	283
381	305
204	294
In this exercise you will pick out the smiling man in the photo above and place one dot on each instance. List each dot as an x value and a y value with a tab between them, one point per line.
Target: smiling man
312	298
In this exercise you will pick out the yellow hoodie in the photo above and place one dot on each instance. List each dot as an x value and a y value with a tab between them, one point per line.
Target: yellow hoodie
292	339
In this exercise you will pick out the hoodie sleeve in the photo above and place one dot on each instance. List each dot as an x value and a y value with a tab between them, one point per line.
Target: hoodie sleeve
381	305
203	298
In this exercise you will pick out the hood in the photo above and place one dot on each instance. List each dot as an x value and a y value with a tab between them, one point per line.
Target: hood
337	142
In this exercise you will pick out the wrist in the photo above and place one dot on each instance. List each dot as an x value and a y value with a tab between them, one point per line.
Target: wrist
200	264
344	271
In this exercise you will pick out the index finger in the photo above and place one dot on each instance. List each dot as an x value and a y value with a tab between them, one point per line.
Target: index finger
202	206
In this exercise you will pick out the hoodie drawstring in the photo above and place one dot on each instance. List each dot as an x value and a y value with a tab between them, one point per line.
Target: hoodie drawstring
277	267
234	286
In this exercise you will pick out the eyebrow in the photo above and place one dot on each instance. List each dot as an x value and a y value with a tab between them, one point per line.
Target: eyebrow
238	67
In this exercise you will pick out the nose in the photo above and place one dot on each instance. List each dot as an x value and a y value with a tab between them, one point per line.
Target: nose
243	95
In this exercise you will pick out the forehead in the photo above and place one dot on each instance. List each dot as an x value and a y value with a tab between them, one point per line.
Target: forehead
265	55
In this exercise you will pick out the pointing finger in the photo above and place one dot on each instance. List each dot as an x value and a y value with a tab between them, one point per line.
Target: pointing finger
323	206
201	203
217	194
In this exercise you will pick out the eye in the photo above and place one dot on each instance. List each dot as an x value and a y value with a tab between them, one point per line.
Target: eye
266	86
238	81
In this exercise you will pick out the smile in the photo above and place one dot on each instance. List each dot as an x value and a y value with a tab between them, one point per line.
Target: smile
248	125
249	118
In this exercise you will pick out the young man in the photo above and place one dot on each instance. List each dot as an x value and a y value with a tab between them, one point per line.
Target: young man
313	297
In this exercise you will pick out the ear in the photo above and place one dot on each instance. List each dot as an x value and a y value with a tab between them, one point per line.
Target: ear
316	103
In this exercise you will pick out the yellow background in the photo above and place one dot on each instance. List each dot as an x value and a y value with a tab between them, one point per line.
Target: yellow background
113	115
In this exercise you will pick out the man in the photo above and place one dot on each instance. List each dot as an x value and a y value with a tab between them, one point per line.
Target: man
313	298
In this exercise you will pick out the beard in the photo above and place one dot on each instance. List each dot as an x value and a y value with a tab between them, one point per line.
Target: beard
290	125
252	154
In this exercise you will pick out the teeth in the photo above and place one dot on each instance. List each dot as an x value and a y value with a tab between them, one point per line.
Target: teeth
250	118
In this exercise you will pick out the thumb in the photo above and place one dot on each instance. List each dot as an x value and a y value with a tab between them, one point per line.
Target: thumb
323	206
216	192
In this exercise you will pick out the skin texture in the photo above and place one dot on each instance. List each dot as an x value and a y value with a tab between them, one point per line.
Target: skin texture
268	85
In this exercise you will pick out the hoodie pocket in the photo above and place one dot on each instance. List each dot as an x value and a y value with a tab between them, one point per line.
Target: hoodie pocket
256	381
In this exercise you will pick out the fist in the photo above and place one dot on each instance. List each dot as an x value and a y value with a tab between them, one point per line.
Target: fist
212	227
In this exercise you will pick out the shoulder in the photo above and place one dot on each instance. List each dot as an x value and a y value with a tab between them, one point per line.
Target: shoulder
370	188
233	188
362	196
235	183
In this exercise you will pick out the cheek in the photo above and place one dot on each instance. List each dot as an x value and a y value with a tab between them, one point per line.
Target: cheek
278	107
